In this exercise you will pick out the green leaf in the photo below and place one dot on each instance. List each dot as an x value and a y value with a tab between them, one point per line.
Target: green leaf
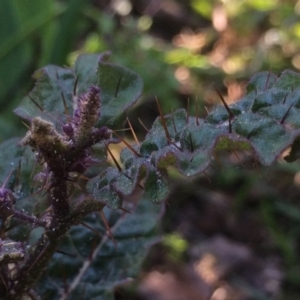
269	98
128	158
86	67
101	188
192	164
261	82
157	187
10	156
283	111
288	81
53	84
232	143
268	138
120	89
130	178
165	158
156	138
293	98
18	162
202	137
14	159
99	266
220	115
112	187
245	104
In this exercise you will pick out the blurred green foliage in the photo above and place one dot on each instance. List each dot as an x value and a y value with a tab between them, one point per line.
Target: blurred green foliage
176	245
180	49
33	33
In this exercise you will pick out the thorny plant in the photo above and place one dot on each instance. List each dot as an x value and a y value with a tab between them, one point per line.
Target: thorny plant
53	244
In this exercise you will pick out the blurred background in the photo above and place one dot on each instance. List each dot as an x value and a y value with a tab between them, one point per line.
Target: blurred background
233	234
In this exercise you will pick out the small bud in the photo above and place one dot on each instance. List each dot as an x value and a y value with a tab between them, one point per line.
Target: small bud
94	89
102	133
87	114
76	116
40	177
3	193
68	129
83	163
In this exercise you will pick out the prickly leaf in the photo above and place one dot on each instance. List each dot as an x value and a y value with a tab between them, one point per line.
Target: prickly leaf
95	265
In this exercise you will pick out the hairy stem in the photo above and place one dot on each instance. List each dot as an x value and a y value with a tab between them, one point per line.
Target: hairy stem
27	218
37	262
46	247
59	198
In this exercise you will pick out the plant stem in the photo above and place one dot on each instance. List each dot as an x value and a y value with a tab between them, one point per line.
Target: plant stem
46	248
37	262
59	197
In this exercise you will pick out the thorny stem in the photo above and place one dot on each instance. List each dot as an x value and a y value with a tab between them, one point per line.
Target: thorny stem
62	153
35	264
30	219
46	248
59	197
